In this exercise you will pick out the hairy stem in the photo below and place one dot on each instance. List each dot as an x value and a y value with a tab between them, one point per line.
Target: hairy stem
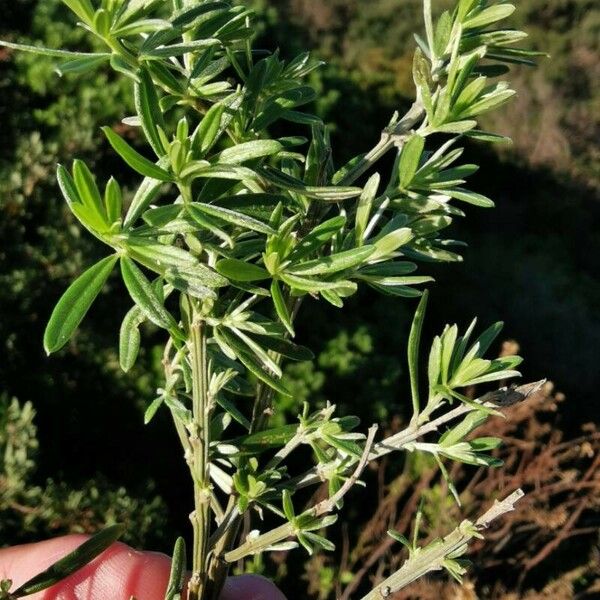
433	557
199	439
391	136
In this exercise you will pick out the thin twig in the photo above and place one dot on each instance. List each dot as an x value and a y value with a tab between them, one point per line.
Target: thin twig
432	557
268	539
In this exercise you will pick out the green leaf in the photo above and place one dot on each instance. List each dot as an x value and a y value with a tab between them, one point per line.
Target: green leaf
190	282
82	8
51	52
319	236
414	342
233	217
363	209
120	65
409	159
264	440
448	343
172	260
281	307
471	422
248	151
485	340
288	506
434	363
389	243
488	102
74	304
456	127
89	218
178	571
201	169
90	195
144	295
207	132
129	338
485	136
102	23
470	197
442	33
113	200
79	66
489	15
399	538
422	77
327	193
388	269
249	361
333	263
284	347
190	14
239	270
148	109
159	257
134	159
71	563
211	225
145	195
178	49
464	6
494	376
67	186
140	27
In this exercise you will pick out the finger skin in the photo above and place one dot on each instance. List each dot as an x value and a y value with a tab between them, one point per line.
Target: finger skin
117	574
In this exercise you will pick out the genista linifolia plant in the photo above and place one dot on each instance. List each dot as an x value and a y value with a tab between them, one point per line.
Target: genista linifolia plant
233	228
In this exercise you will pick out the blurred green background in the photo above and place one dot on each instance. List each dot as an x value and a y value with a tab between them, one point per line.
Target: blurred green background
533	262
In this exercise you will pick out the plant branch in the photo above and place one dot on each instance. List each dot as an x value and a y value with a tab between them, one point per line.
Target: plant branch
432	557
200	442
399	440
260	543
391	136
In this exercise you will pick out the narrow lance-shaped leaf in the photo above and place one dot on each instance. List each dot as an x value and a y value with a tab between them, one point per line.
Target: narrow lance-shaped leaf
249	150
365	204
134	159
89	195
207	133
113	200
74	304
409	159
129	338
245	356
52	52
284	347
389	243
145	195
281	307
233	217
178	568
82	8
82	65
334	262
414	343
239	270
178	49
71	563
144	296
327	193
148	109
489	15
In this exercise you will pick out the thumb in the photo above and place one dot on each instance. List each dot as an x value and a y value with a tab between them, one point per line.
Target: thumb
118	573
